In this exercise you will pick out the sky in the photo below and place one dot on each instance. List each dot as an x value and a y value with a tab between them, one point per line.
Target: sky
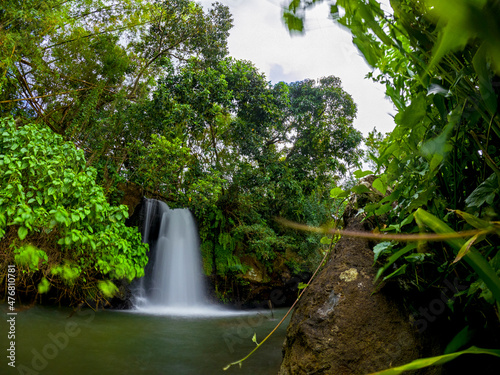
260	36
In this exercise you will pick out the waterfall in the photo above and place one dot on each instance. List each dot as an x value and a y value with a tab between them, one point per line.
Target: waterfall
173	281
177	274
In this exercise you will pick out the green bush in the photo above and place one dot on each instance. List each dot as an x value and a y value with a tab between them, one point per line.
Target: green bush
55	221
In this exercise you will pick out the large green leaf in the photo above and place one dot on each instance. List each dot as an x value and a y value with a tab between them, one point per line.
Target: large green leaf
394	257
484	193
435	361
460	339
484	270
437	148
413	114
480	64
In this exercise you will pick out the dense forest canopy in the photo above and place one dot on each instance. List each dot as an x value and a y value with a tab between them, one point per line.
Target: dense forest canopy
145	94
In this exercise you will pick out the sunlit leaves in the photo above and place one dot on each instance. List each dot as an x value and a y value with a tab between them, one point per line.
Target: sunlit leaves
337	192
22	232
107	288
380	184
360	174
29	257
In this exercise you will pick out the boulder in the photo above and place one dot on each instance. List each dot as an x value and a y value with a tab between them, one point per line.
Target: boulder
342	325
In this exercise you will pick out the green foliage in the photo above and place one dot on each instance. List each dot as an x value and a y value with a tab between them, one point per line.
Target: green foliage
439	167
145	92
438	155
77	66
43	286
64	228
224	142
29	257
107	288
489	275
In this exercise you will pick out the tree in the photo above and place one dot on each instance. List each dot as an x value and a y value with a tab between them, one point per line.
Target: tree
78	65
246	162
323	138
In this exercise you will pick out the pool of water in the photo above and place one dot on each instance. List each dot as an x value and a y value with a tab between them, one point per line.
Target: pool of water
55	341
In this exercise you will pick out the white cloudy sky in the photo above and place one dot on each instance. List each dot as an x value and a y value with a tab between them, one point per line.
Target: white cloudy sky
260	36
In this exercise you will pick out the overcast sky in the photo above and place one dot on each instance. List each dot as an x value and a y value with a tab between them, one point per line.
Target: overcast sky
259	35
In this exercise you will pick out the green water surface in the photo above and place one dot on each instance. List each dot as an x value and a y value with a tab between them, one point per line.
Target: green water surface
54	341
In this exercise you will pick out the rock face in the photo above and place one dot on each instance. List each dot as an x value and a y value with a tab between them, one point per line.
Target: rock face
132	196
339	327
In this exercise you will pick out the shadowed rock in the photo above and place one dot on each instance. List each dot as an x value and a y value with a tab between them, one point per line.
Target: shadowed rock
340	326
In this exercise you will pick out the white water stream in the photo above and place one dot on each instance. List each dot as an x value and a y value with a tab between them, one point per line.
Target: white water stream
173	284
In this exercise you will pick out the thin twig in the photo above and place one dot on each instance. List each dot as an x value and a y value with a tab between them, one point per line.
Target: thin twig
388	237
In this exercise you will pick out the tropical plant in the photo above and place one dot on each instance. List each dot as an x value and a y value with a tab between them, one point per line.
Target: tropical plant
440	63
55	221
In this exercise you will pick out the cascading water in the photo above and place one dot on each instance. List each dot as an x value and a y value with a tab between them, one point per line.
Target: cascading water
173	281
177	279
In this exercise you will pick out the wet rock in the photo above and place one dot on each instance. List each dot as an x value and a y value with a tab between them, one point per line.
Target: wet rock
256	271
132	195
342	326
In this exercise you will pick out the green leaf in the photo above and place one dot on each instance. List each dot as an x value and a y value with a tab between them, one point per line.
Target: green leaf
401	270
383	209
380	185
437	149
434	361
43	286
381	248
107	288
254	339
407	220
465	248
325	240
60	217
293	23
412	116
360	174
473	220
484	270
454	27
368	48
460	339
337	192
360	189
22	232
484	193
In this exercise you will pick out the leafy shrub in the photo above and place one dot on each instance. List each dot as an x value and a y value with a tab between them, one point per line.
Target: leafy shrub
55	222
